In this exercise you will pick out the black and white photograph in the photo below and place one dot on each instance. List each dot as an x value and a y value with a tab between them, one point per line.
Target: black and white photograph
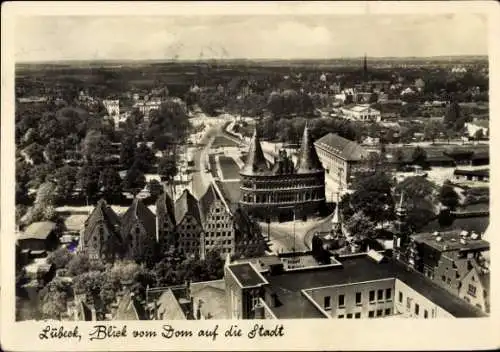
250	167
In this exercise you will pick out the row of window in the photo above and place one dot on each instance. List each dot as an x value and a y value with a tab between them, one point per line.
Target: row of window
212	242
371	314
359	298
416	306
218	234
226	225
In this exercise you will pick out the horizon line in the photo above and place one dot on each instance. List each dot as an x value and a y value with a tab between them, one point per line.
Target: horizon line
197	60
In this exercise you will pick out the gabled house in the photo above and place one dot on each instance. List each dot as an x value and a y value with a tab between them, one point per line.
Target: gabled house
189	224
138	226
101	236
217	222
165	221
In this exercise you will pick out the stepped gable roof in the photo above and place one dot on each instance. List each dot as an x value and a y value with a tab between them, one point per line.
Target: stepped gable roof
308	160
138	212
165	207
211	195
342	147
255	163
102	213
186	204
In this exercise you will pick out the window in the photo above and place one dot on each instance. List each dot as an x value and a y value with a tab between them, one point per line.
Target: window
380	295
371	314
426	314
417	309
387	311
357	315
327	302
341	301
443	278
448	281
471	290
358	298
372	296
349	316
400	297
388	294
379	312
341	316
408	302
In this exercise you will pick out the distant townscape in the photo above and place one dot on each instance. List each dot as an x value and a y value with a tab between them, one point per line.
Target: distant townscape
223	189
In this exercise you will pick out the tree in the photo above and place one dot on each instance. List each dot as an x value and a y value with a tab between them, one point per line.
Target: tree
90	284
144	158
34	152
134	180
373	197
60	257
55	152
420	197
95	146
167	167
110	183
65	179
360	226
88	180
419	157
433	130
54	298
164	141
127	151
479	134
81	263
448	196
155	188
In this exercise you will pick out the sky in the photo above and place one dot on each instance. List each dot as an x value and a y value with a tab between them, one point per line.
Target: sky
45	38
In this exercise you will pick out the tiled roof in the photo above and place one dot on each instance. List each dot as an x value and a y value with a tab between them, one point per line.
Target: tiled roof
102	213
308	160
165	207
168	307
138	212
342	147
212	296
207	200
186	204
129	309
38	230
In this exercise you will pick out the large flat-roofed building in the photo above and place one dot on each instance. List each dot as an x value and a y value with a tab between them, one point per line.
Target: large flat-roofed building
284	190
362	112
367	285
341	157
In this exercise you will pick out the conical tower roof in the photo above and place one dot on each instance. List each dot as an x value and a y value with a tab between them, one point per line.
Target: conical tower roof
256	162
308	158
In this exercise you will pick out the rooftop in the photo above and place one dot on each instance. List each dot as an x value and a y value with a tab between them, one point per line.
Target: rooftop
287	286
452	241
210	297
344	148
246	275
38	230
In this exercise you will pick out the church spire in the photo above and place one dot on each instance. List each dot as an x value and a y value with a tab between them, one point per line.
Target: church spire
256	162
308	160
365	67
